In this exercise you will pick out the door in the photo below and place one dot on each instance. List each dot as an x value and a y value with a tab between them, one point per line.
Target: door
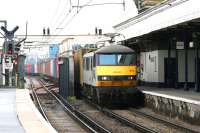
170	72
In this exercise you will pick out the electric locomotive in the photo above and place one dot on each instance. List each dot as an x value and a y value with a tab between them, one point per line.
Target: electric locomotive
109	74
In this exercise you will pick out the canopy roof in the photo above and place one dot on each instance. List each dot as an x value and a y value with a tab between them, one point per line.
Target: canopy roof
165	15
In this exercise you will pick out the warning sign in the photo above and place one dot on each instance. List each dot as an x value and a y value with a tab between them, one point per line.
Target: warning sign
8	63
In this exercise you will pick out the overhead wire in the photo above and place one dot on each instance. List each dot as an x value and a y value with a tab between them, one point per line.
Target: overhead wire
70	20
62	14
79	8
58	17
52	19
56	11
71	7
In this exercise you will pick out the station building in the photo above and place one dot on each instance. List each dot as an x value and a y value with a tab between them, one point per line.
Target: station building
167	38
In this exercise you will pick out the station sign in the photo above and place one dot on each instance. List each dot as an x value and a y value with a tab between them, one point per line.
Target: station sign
179	45
13	56
8	63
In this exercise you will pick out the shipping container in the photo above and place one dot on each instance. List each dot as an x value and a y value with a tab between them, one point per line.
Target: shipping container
47	68
57	68
54	69
35	68
29	69
78	64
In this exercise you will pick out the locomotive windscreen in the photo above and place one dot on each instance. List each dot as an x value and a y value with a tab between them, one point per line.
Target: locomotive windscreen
116	59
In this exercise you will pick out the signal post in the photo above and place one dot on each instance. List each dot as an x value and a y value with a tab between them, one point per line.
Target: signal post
8	56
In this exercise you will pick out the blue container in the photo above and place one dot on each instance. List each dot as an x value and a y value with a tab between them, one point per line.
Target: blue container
53	51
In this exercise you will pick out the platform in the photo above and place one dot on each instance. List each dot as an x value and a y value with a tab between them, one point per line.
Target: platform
178	103
176	94
28	115
18	113
9	122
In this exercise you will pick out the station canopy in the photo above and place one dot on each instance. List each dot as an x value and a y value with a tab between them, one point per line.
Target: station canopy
167	14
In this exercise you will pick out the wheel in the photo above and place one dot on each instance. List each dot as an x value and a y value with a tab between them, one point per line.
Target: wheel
94	95
98	96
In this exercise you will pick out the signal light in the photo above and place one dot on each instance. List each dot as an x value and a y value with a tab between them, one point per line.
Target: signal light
15	62
10	49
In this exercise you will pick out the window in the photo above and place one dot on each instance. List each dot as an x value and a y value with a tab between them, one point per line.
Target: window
117	59
126	59
107	59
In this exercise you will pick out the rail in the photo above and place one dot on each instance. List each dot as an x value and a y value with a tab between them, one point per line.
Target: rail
123	120
163	121
37	100
85	121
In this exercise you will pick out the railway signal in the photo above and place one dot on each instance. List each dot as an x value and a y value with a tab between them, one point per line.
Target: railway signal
9	53
9	34
9	48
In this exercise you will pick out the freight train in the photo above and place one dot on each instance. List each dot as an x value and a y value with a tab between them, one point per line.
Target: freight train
48	68
109	74
105	75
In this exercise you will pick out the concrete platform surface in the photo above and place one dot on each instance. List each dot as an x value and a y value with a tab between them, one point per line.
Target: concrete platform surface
171	93
30	118
184	105
9	122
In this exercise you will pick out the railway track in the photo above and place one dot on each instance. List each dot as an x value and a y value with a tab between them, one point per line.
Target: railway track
123	120
161	123
160	120
55	112
127	122
111	114
37	100
120	118
114	117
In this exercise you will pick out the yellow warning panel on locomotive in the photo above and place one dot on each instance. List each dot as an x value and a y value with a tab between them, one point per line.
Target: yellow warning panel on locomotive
116	70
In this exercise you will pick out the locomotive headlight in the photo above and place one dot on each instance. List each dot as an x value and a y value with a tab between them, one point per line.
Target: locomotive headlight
130	77
104	78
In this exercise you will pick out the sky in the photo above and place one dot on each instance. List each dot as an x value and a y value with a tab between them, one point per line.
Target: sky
51	13
56	15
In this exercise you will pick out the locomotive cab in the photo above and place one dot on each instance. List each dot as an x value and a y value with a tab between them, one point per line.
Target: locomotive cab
116	69
110	73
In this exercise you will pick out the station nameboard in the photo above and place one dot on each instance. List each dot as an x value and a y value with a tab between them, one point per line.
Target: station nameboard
8	63
179	45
